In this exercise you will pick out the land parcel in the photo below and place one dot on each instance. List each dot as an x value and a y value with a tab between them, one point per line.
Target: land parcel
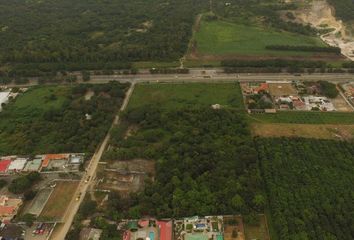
225	39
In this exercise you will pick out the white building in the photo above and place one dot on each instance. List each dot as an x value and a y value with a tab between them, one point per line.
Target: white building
17	165
4	97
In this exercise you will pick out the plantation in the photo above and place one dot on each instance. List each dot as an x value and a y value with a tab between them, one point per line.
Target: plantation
304	118
53	119
310	187
171	96
225	38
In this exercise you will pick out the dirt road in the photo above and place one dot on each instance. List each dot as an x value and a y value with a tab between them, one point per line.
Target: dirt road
90	171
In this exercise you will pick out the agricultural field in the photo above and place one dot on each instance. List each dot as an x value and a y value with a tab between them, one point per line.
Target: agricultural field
172	96
59	200
63	111
298	117
309	186
221	38
317	131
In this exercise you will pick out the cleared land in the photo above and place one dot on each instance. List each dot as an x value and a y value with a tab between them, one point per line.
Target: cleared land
320	131
259	231
281	89
233	225
187	95
59	200
224	38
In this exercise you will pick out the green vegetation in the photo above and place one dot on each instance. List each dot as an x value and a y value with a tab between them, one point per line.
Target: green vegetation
171	96
309	184
344	9
328	89
222	38
53	119
66	35
305	117
24	183
206	162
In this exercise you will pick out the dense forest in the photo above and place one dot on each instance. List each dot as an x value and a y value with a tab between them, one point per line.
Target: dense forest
344	9
94	32
310	187
206	162
62	110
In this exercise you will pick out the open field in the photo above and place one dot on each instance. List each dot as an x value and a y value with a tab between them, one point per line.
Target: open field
224	38
281	89
187	95
59	200
318	131
304	117
259	231
39	201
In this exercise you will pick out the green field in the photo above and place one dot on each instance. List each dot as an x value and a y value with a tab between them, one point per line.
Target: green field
187	95
304	118
223	38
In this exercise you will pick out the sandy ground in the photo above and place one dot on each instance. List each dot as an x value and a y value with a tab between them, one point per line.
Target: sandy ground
320	131
319	13
341	105
282	89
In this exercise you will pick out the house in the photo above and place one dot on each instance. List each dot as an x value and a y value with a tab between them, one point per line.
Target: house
4	164
263	87
17	165
33	165
8	208
53	157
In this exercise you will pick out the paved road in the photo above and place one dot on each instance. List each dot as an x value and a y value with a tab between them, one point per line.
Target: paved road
213	75
90	171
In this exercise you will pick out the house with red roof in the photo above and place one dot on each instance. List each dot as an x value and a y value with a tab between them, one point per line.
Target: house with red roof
4	165
8	208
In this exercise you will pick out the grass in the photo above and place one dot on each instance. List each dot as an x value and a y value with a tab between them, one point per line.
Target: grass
304	118
318	131
142	65
59	200
187	95
222	38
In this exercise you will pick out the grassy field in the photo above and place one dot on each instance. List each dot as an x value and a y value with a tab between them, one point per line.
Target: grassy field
304	118
318	131
224	38
59	200
187	95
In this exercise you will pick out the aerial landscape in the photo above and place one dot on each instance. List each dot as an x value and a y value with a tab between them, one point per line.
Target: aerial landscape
177	120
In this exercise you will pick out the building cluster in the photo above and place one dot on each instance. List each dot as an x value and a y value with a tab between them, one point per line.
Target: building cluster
40	163
194	228
8	208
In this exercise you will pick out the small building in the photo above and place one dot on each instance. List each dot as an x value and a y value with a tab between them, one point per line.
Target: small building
33	165
76	159
8	208
53	157
17	165
90	234
4	164
216	106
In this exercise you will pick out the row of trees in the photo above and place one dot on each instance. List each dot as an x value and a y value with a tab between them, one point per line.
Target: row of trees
328	49
309	185
273	63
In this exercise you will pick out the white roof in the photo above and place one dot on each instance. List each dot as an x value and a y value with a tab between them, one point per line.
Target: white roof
3	98
17	164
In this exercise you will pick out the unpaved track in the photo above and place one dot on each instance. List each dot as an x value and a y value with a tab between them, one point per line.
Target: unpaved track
91	170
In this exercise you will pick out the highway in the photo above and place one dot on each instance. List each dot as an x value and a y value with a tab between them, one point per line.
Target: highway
88	178
210	75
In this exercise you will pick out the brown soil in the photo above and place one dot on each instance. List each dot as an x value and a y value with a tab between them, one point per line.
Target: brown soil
230	228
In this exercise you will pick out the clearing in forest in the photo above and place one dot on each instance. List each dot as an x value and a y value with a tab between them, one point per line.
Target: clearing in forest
172	96
225	38
318	131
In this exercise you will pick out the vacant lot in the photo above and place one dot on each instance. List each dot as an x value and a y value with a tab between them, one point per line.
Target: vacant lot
187	95
39	201
318	131
258	231
224	38
281	89
59	200
233	225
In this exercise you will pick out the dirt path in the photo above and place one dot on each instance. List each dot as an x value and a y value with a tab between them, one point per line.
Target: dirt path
90	171
321	15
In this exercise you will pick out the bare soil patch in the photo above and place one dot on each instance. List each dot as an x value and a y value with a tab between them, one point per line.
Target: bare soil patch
233	224
320	131
341	105
282	89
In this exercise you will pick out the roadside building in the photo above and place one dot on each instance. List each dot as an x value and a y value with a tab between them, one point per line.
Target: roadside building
52	161
8	208
4	164
76	159
33	165
90	234
17	165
